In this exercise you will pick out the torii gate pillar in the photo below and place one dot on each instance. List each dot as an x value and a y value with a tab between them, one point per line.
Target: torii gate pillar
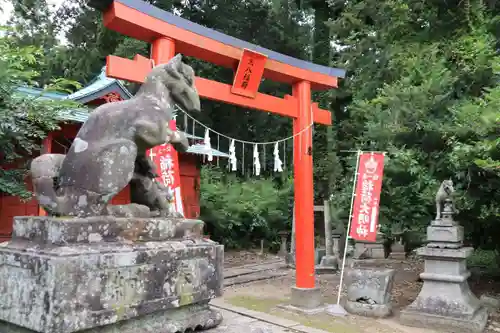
162	50
305	295
303	186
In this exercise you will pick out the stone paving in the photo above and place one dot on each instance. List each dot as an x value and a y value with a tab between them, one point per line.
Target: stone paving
237	323
237	320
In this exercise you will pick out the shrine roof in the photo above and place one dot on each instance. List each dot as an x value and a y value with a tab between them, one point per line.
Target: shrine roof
40	93
76	115
99	87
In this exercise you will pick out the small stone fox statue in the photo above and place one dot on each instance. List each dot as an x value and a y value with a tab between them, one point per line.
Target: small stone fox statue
101	160
444	192
146	190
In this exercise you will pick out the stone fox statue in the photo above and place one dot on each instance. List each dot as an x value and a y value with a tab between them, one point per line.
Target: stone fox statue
101	160
444	192
147	191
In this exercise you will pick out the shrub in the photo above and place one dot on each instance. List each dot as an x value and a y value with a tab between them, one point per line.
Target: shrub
240	212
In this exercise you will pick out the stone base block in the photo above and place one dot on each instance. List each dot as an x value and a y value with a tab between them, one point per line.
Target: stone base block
370	286
62	231
369	310
439	234
328	265
443	253
109	273
328	261
443	245
490	302
369	250
326	269
378	253
476	324
187	318
308	301
397	251
445	302
319	253
397	256
290	259
445	223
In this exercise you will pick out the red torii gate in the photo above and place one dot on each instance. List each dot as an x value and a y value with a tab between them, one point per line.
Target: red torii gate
170	34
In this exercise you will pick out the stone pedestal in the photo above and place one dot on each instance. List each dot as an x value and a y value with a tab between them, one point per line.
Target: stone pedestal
307	301
290	260
338	243
283	246
369	292
329	262
337	250
445	302
319	253
106	274
369	250
397	247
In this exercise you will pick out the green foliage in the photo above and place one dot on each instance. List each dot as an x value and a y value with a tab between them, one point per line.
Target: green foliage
241	213
483	258
413	239
24	121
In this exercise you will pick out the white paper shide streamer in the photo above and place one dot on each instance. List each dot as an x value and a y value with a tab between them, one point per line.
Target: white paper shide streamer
277	161
279	164
208	146
232	156
256	160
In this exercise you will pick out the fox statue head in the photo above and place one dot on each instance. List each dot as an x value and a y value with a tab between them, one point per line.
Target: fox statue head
178	79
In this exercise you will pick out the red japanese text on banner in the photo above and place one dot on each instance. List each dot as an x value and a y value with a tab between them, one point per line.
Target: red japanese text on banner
166	161
364	223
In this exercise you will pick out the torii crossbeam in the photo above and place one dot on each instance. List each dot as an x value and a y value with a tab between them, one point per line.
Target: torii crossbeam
170	34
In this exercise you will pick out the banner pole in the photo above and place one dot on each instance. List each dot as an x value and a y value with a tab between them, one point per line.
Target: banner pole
348	228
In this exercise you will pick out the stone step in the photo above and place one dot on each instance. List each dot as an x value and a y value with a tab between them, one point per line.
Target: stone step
264	262
256	276
254	268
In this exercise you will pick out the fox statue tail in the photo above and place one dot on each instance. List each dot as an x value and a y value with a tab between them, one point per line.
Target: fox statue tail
44	170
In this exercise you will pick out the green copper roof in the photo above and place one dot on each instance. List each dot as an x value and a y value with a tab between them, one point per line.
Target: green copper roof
76	115
40	93
99	87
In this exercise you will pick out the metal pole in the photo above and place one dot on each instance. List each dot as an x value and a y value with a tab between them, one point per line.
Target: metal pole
348	228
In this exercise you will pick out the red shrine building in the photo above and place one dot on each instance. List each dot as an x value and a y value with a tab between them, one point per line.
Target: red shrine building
100	91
